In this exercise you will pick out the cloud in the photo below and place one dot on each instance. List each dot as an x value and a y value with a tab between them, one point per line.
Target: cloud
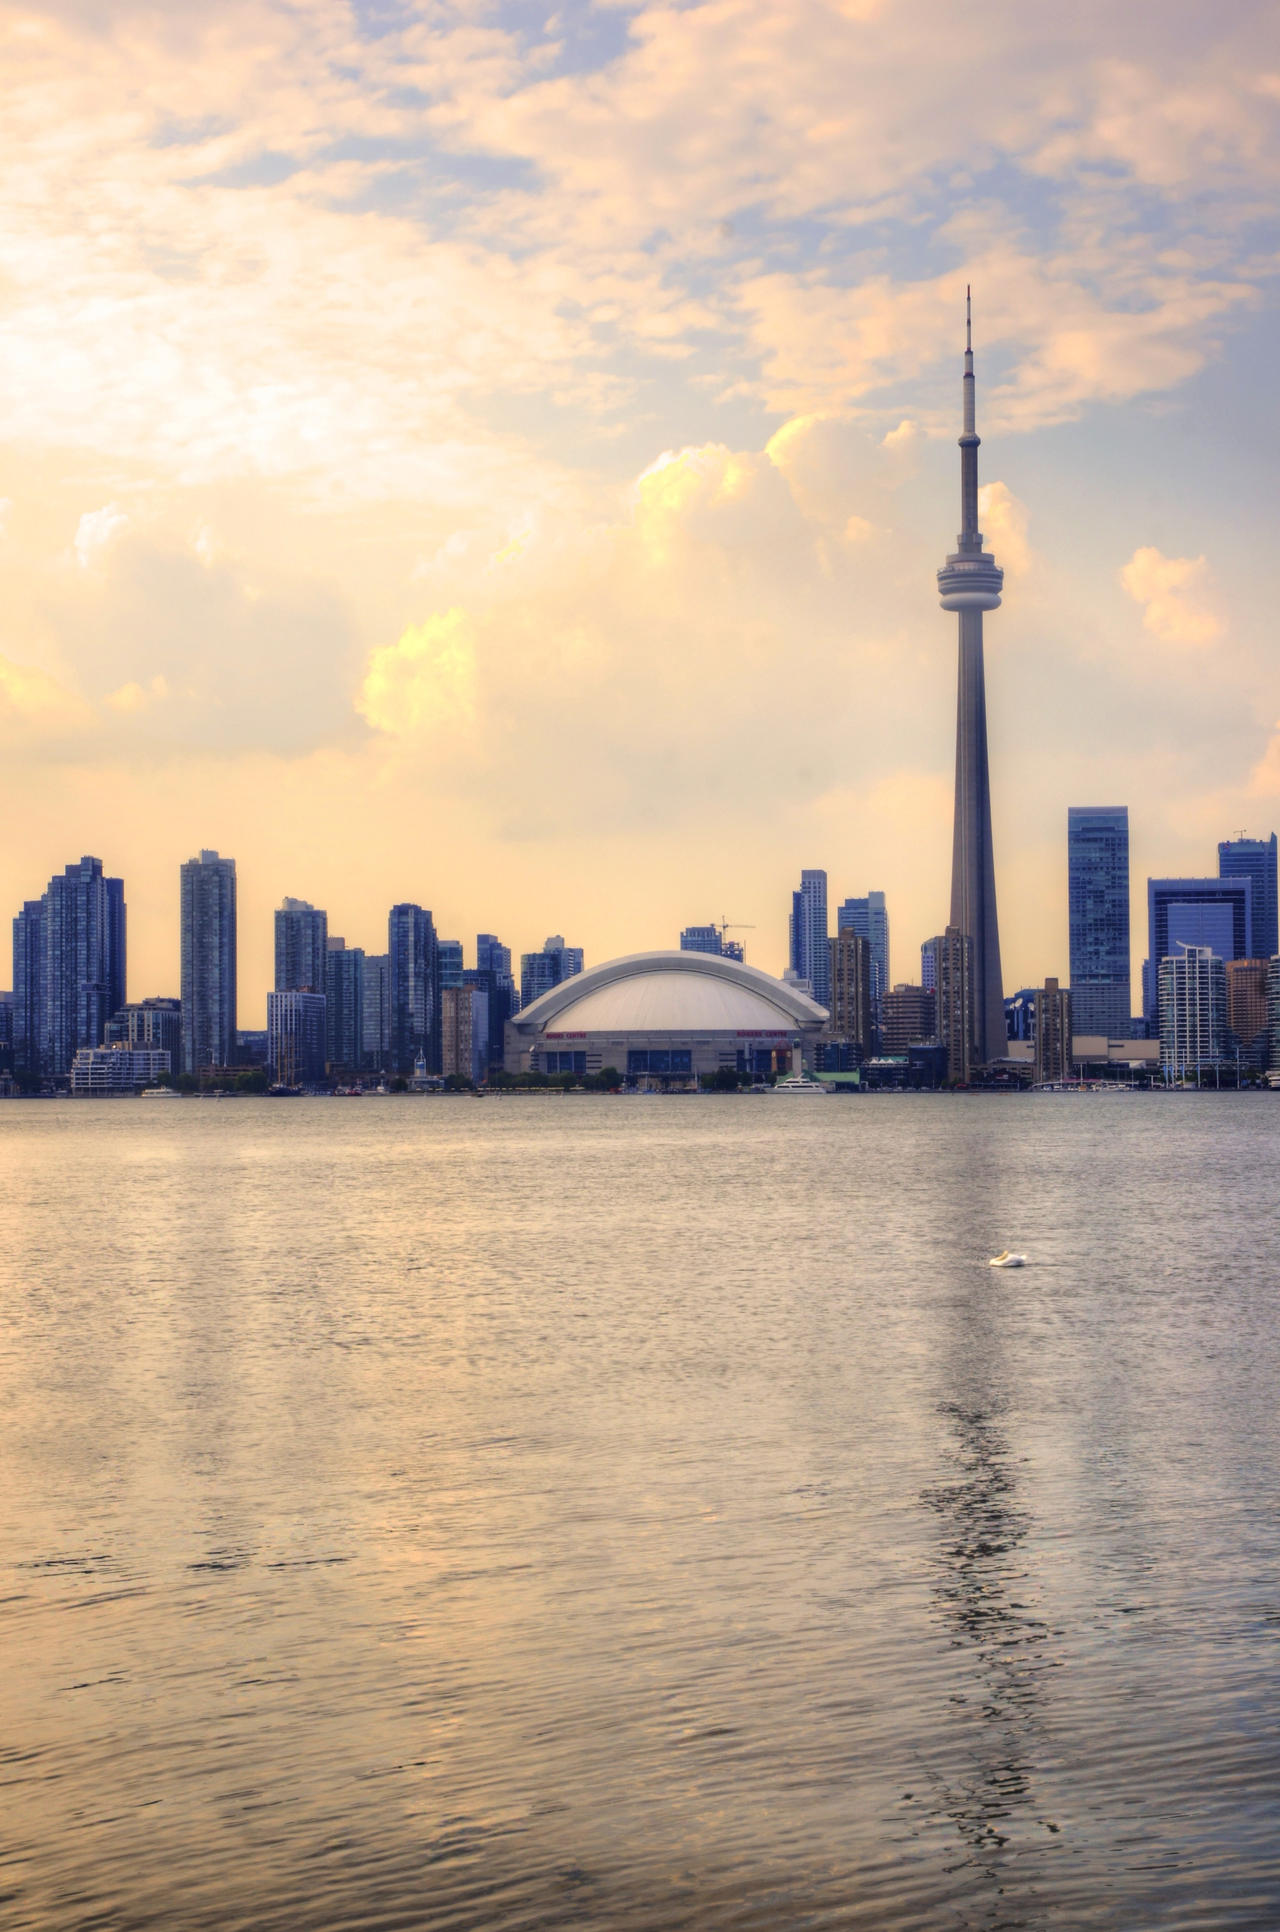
96	531
425	683
1173	590
36	710
1004	528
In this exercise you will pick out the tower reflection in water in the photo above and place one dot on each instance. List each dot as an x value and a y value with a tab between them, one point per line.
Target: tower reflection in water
982	1769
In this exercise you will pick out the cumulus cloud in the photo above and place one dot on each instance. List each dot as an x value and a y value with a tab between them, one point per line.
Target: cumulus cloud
96	531
425	683
1173	592
1004	528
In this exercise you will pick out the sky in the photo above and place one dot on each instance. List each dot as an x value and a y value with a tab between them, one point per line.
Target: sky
499	457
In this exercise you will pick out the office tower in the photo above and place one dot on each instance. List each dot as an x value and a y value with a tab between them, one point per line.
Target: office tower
295	1036
1098	918
1217	913
493	970
928	966
344	1006
850	976
1053	1032
84	961
450	951
1193	1009
1020	1014
970	583
376	1021
415	988
207	921
6	1032
1247	1009
28	990
954	995
810	953
711	939
302	938
1273	1015
539	972
908	1017
869	918
1255	860
153	1025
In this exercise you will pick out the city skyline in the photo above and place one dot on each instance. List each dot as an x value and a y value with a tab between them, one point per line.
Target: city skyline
288	576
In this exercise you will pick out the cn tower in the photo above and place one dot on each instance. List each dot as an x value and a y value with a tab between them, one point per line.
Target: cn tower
970	582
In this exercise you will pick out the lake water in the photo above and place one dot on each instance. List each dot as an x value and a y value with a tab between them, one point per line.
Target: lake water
634	1514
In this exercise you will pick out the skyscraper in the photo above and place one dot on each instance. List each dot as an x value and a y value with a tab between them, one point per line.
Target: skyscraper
1193	1009
1098	918
84	961
29	1048
302	944
1054	1024
850	1003
954	1000
1212	913
415	988
1255	860
295	1036
970	583
810	952
451	968
344	1006
869	918
539	972
376	1024
207	922
492	973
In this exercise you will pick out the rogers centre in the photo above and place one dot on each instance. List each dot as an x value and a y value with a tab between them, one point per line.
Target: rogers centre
664	1019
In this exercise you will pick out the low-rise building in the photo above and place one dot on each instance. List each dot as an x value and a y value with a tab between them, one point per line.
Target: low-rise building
117	1069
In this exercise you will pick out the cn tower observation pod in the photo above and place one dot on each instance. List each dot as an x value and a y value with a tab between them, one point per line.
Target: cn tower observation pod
664	1019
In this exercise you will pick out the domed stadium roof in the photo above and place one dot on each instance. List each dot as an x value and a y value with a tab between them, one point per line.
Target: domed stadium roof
671	992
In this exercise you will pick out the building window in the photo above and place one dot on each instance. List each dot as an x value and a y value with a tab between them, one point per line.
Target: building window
659	1060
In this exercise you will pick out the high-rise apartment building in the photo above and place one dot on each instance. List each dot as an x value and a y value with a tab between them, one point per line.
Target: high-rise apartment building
1193	1010
493	973
1054	1006
152	1025
65	1001
869	918
539	972
29	1047
415	988
207	939
451	967
344	1006
850	1004
810	951
1247	1009
1255	860
302	945
954	994
1020	1014
464	1030
970	583
376	1021
1098	919
711	939
908	1016
1195	913
295	1036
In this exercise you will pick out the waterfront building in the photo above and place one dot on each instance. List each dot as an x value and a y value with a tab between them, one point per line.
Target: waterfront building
1255	860
850	1023
1020	1015
464	1032
207	943
302	942
1054	1009
970	582
295	1036
415	988
1193	1010
450	951
80	981
1247	1009
540	972
1216	913
154	1024
117	1069
711	939
344	1006
869	918
376	1019
908	1015
664	1019
252	1046
955	994
6	1032
28	990
810	959
1273	1015
1098	918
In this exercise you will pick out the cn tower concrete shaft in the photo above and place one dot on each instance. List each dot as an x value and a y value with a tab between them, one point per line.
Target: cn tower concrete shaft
970	582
